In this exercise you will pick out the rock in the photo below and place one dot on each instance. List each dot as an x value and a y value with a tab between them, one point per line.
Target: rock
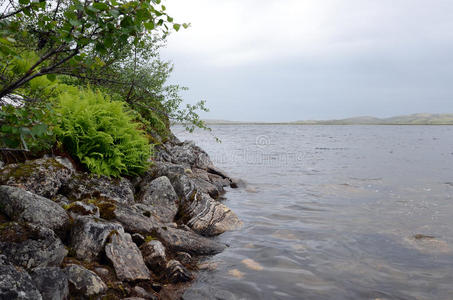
187	241
16	284
2	164
141	292
138	239
126	258
207	187
82	209
184	258
42	176
31	246
133	298
52	283
136	220
188	154
101	271
85	186
183	186
24	206
214	170
154	256
176	272
84	282
60	200
89	235
237	183
161	195
209	217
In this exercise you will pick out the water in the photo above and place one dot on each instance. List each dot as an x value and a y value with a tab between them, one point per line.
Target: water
331	212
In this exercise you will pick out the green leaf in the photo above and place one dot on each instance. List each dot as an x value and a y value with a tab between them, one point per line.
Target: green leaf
149	25
100	5
169	19
75	22
51	77
24	2
176	26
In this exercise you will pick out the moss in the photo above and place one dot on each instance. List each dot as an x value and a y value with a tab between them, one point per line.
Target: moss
149	238
106	210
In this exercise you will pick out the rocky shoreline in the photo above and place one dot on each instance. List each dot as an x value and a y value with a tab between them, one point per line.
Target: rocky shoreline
65	234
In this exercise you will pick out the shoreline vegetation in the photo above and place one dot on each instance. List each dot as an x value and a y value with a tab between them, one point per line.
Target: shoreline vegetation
414	119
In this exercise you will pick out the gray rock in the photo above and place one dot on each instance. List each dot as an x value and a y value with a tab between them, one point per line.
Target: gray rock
52	283
126	258
133	298
24	206
16	284
82	209
187	241
89	235
187	153
141	292
209	217
176	272
2	164
42	176
138	239
60	200
136	220
154	256
84	282
161	196
84	186
207	187
184	258
31	246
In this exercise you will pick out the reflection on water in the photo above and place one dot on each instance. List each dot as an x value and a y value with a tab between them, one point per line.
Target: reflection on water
334	212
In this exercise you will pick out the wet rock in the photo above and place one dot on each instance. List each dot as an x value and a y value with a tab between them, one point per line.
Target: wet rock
208	266
209	217
161	195
82	209
24	206
89	235
176	272
187	241
141	292
31	246
214	170
42	176
136	220
52	283
16	284
85	186
154	256
84	282
126	258
237	183
138	239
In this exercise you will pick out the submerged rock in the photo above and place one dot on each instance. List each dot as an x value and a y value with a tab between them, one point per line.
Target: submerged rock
161	196
24	206
16	284
89	235
209	217
31	246
52	283
187	241
84	282
43	176
85	186
126	258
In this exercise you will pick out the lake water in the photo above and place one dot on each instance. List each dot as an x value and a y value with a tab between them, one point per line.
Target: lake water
334	212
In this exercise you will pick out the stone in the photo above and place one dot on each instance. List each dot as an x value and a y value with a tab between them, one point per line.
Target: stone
89	235
126	258
2	164
209	217
24	206
85	282
133	298
154	256
161	196
52	283
141	292
138	239
43	176
176	272
16	284
31	246
82	209
188	154
136	220
206	187
86	186
101	271
187	241
61	200
184	257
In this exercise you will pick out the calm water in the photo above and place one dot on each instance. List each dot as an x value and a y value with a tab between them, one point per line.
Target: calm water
330	212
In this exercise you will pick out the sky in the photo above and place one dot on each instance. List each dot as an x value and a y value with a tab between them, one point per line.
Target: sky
290	60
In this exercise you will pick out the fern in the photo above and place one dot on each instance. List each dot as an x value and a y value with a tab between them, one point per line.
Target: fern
101	133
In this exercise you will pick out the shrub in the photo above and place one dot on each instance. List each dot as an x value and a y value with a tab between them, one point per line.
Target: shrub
101	133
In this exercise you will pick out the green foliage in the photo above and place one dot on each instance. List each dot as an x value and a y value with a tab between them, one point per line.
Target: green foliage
101	133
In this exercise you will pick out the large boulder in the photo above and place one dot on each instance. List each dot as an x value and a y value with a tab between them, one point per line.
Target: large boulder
52	283
84	282
16	283
136	219
85	186
209	217
154	256
161	195
43	176
24	206
187	241
31	246
89	235
188	154
126	258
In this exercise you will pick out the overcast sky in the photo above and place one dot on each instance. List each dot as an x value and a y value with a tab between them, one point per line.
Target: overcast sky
286	60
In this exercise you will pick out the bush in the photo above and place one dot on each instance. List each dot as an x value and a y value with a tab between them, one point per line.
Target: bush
101	133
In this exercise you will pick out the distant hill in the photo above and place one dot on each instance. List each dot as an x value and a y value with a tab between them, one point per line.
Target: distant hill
414	119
